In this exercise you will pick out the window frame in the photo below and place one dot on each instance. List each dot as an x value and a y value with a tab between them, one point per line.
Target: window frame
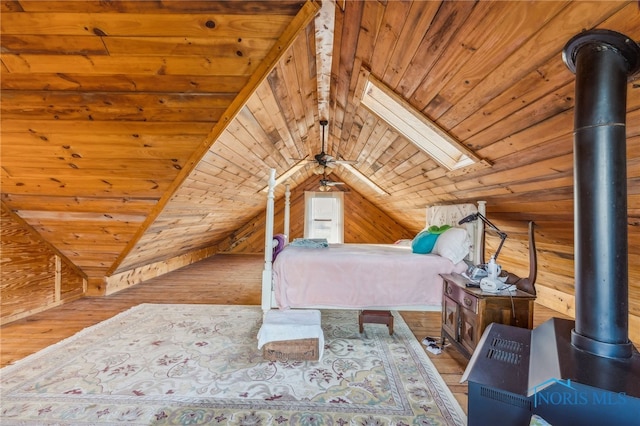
309	196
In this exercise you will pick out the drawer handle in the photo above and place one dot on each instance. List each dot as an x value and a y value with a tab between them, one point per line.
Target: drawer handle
467	301
449	290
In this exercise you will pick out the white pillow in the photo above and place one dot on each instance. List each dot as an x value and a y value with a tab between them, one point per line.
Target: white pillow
454	244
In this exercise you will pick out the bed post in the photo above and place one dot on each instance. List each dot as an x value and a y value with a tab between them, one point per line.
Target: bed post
287	201
479	243
268	245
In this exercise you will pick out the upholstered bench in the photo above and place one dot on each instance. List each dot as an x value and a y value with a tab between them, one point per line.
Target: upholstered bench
292	334
376	317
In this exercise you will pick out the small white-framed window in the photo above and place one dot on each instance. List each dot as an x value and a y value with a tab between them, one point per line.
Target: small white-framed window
324	216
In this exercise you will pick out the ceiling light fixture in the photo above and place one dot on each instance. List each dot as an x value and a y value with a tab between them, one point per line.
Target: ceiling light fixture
321	170
413	125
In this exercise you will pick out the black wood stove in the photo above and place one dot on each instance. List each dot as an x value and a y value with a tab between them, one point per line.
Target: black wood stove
582	372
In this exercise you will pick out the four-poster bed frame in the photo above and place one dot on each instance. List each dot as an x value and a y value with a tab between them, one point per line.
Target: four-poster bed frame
444	216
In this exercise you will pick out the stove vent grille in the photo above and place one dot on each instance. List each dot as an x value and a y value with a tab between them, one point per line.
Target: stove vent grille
507	398
504	350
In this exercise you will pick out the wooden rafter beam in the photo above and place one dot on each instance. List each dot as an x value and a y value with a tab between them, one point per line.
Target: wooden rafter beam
324	25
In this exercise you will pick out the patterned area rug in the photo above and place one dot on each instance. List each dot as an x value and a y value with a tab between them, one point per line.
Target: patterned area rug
199	364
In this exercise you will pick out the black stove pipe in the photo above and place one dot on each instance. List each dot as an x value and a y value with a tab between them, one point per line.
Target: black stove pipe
602	60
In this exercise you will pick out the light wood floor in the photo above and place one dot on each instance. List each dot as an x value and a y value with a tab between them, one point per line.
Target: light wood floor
222	279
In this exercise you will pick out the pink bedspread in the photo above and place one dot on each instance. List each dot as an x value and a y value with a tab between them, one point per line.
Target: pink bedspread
359	276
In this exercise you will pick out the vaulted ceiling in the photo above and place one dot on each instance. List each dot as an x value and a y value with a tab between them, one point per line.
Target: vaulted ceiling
135	131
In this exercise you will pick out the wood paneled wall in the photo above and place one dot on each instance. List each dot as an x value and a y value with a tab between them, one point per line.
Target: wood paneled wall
34	277
554	235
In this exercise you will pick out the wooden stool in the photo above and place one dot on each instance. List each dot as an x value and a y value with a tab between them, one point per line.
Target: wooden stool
376	317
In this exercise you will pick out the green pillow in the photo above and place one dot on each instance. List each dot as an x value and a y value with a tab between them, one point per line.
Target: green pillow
423	242
435	229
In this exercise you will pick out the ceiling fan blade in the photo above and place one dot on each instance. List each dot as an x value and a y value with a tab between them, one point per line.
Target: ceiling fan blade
306	157
327	182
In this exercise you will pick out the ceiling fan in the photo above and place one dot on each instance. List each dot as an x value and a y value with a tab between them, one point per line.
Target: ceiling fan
326	162
326	184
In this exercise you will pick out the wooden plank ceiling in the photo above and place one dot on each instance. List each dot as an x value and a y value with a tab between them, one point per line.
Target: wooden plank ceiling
136	131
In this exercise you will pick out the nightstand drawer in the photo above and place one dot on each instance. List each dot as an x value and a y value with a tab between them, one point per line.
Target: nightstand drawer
463	298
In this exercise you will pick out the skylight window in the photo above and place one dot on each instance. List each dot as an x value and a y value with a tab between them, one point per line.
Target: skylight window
414	126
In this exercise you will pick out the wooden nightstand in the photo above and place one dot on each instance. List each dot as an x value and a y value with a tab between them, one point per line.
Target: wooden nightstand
467	311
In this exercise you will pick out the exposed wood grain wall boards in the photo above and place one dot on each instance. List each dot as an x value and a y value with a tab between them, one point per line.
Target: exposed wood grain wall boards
293	86
571	20
113	97
465	44
286	39
262	107
550	105
146	24
420	18
446	23
131	83
355	132
545	79
345	61
498	45
304	48
135	276
34	277
113	65
394	19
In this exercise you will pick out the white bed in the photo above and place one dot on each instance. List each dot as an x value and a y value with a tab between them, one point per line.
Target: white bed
364	276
